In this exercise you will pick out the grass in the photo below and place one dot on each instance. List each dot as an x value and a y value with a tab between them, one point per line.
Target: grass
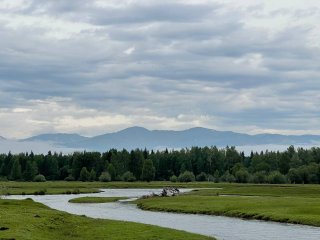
63	187
25	219
96	199
285	190
282	203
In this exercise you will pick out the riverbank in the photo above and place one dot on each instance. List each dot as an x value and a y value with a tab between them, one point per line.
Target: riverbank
64	187
76	187
296	204
26	219
96	199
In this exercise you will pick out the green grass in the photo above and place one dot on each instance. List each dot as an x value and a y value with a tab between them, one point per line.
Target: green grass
26	220
286	190
96	199
63	187
282	203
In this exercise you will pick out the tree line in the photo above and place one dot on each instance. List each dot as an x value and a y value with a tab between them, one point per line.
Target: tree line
197	163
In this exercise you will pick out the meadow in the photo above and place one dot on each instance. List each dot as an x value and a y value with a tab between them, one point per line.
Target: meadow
287	203
298	204
26	219
64	187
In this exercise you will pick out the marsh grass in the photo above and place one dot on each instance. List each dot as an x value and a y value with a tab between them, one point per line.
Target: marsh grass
96	199
282	203
28	220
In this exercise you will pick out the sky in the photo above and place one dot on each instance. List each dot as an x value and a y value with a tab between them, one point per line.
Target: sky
94	66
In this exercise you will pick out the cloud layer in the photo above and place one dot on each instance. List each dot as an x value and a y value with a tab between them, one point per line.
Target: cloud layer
97	66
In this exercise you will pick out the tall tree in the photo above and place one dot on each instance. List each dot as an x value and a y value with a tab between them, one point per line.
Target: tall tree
31	171
16	170
84	175
148	171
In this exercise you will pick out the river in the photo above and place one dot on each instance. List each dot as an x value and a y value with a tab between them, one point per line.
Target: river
223	228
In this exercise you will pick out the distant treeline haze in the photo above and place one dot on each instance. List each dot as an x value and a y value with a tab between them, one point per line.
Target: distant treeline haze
201	164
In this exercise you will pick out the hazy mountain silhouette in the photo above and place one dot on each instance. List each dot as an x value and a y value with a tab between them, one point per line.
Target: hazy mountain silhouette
139	137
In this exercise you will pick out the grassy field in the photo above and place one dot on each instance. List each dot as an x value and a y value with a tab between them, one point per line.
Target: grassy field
63	187
96	199
26	220
282	203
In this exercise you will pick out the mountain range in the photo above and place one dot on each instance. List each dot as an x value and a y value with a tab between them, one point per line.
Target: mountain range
139	137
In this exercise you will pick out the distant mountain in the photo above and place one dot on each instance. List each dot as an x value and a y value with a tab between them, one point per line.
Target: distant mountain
60	139
2	138
138	137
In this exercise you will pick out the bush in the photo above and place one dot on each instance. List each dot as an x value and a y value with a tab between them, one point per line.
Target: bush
128	177
84	175
3	179
202	177
242	176
210	178
93	175
105	177
69	178
227	177
186	177
173	178
259	177
39	178
76	191
216	176
276	178
40	192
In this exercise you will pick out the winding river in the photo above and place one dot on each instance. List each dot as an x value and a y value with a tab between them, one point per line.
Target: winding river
223	228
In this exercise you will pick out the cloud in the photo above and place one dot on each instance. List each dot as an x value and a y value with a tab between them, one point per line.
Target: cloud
129	51
98	66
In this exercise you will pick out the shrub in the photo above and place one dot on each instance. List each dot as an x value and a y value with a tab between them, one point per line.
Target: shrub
186	177
69	178
242	176
84	175
128	177
39	178
93	175
210	178
227	177
3	179
216	176
76	191
276	178
202	177
40	192
259	177
105	177
173	178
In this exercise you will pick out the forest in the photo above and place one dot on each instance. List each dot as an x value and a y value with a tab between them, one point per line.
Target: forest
195	164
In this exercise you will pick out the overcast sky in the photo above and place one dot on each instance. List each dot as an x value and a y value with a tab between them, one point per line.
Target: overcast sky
91	67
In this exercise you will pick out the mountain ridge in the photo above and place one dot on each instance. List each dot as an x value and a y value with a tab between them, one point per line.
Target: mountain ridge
140	137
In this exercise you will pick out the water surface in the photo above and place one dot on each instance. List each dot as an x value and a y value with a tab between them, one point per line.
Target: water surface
223	228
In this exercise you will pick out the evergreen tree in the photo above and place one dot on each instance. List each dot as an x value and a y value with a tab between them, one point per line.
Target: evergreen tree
31	171
16	170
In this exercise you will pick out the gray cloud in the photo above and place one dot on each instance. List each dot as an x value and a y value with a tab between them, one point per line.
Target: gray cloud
168	64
